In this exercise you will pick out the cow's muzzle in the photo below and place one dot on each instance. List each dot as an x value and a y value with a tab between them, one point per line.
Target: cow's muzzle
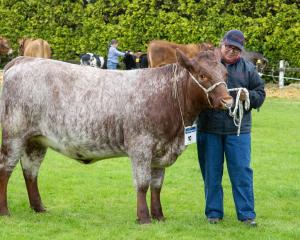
227	102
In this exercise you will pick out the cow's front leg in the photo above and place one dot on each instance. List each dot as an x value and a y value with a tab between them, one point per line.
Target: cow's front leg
142	175
157	178
143	216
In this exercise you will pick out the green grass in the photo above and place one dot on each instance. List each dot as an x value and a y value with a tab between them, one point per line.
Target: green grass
99	202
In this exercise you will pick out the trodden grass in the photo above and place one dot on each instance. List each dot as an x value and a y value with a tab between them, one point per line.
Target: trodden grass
98	201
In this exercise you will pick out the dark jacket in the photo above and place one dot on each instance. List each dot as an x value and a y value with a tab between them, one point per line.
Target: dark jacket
241	74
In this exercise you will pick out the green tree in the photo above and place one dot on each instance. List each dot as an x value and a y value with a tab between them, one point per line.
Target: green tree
270	26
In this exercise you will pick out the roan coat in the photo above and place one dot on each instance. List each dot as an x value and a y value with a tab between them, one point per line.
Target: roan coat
91	114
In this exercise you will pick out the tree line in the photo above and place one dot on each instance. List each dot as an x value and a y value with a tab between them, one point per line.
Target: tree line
271	27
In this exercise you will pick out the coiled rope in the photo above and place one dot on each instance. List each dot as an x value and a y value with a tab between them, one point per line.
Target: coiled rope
238	111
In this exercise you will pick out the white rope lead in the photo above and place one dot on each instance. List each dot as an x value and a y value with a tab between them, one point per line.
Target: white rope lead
238	111
207	90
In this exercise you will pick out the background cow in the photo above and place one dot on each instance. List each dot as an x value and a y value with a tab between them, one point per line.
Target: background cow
93	60
91	114
34	48
161	52
5	49
257	59
135	60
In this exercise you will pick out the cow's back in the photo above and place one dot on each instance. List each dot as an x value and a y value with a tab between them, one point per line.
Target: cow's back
70	81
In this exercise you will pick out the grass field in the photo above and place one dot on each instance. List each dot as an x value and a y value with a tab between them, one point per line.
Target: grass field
98	201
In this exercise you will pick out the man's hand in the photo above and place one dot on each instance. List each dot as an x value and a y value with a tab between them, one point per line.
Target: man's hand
244	94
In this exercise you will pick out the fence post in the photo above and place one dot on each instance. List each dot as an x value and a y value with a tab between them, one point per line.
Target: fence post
281	74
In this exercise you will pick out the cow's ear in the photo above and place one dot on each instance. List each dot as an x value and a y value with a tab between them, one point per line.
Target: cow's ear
182	59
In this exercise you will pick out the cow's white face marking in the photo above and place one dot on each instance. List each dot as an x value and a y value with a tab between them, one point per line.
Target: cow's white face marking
93	60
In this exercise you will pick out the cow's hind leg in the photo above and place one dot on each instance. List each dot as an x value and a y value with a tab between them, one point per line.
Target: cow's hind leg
157	177
10	154
31	160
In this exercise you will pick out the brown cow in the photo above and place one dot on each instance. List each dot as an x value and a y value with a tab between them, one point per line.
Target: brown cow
5	48
92	114
34	48
161	52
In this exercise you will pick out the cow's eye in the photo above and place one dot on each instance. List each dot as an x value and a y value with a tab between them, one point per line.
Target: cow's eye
202	77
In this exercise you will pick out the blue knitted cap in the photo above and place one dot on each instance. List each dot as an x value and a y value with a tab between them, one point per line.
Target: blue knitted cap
235	38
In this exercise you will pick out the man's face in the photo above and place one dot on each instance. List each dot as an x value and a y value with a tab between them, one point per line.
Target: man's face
230	53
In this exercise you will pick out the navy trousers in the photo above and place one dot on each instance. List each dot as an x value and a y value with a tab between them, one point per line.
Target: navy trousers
237	150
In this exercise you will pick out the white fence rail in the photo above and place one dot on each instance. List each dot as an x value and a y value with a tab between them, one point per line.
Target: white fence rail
283	68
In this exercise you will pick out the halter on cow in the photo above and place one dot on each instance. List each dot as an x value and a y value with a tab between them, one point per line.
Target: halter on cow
91	114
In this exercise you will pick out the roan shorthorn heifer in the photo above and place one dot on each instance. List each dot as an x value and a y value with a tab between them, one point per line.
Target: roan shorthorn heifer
91	114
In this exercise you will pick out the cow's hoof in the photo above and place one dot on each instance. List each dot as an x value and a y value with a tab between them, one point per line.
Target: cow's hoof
143	221
4	212
159	218
39	209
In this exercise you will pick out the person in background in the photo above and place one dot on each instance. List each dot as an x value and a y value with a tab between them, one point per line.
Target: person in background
113	55
217	137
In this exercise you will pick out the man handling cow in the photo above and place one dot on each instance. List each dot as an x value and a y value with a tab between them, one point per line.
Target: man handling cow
217	135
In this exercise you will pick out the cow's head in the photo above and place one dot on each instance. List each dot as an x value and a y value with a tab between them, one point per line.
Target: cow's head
258	59
209	74
129	60
261	64
5	48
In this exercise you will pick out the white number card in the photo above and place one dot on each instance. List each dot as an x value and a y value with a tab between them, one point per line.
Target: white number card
190	134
